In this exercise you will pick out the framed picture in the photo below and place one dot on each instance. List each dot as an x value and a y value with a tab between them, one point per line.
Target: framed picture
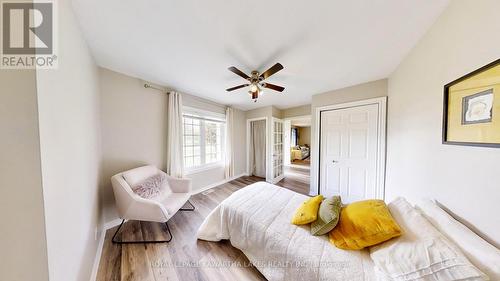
471	108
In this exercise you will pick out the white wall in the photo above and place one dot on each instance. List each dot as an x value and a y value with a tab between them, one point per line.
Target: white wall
22	243
304	135
239	142
464	179
134	132
134	129
68	100
297	111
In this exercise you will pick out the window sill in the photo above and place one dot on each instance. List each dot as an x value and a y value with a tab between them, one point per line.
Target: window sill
203	168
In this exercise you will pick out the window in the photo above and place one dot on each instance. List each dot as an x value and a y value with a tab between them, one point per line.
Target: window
192	142
203	140
294	137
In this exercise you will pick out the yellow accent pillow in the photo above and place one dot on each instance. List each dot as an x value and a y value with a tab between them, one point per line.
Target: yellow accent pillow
363	224
308	211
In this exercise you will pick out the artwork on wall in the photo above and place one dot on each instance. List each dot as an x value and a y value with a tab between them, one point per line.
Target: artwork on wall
471	112
477	108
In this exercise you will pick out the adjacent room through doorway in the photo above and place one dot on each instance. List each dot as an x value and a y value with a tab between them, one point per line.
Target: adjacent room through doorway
298	148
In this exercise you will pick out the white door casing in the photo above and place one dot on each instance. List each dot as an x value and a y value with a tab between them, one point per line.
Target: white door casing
277	172
351	150
287	125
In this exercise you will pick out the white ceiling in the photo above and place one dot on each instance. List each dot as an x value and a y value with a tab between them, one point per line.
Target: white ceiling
188	45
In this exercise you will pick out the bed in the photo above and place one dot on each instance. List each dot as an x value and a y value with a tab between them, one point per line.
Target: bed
299	152
280	250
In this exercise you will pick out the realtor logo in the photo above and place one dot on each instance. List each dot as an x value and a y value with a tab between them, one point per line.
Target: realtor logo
28	37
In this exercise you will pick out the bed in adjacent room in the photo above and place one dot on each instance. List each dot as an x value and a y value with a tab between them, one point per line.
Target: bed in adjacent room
299	152
256	220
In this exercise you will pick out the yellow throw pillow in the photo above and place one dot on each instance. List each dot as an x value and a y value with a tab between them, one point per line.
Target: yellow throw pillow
308	211
363	224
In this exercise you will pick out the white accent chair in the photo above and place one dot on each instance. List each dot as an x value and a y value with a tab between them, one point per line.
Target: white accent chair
158	209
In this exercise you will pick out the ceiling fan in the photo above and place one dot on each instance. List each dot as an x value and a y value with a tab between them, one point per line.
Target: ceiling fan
256	80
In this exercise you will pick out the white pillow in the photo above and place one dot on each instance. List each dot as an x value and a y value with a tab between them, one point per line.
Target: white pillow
152	187
137	175
483	255
421	252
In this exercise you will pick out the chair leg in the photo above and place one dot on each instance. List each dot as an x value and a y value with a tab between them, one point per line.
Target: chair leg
143	241
188	209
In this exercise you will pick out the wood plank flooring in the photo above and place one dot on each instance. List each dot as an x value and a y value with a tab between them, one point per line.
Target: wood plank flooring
185	258
298	173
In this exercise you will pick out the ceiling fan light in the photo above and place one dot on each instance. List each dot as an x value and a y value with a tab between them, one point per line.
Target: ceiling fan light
254	88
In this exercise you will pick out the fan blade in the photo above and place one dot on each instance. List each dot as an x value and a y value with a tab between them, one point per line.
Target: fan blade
275	68
273	87
238	72
237	87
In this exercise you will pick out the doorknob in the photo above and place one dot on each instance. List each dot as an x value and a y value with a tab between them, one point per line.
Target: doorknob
333	161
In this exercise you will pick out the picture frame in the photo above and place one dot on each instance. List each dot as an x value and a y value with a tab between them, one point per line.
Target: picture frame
471	108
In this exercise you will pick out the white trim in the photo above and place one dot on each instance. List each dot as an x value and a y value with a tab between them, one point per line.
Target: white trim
275	180
381	146
111	224
287	125
298	117
97	259
248	145
287	160
203	168
203	113
210	186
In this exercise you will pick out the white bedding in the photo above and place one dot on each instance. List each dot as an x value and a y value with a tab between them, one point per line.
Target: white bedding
256	219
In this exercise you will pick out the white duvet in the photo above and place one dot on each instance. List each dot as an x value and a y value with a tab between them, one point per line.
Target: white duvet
256	219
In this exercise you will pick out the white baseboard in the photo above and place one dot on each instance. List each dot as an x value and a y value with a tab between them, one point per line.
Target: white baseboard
111	224
205	188
97	258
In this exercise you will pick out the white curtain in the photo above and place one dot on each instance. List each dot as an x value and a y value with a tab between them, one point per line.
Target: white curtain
175	157
229	155
258	148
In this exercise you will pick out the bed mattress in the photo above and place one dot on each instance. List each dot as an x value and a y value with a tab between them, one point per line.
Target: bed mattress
256	220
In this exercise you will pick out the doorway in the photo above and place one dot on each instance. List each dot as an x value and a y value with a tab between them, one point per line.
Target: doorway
297	146
351	150
257	147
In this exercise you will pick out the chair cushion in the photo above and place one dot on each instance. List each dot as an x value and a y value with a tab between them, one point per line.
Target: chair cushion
173	201
137	175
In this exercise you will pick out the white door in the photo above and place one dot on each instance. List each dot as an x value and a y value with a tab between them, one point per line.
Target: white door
277	151
348	152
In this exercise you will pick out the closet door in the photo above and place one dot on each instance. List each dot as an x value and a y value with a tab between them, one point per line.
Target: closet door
277	150
348	152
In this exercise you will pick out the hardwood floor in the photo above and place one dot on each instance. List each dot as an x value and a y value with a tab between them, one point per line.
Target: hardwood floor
185	258
298	173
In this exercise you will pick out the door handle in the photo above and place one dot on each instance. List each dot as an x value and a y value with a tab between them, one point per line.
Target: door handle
334	161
